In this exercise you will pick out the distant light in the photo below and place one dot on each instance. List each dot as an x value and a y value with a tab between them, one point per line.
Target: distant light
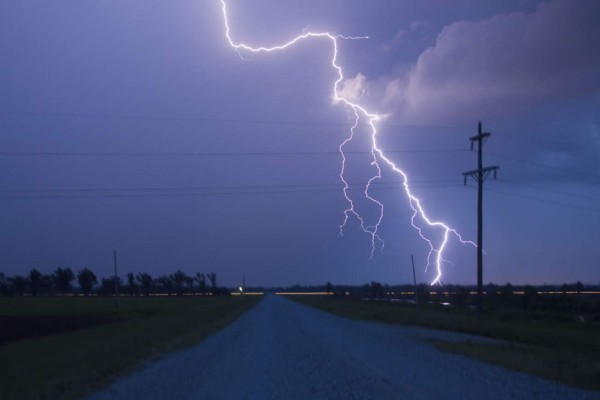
241	289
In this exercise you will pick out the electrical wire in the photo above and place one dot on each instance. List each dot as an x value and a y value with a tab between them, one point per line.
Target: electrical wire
215	154
520	160
210	193
215	119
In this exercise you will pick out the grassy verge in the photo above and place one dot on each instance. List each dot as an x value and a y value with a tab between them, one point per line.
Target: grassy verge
72	363
553	348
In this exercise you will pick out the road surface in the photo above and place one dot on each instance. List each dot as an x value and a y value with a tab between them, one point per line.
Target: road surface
284	350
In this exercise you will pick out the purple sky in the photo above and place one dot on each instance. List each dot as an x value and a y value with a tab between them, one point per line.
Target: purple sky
142	78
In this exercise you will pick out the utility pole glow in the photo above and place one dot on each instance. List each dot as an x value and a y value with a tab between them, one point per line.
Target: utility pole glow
435	256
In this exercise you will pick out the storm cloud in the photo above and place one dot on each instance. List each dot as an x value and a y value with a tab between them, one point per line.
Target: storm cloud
517	56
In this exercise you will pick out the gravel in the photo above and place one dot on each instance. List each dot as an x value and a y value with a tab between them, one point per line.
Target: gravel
284	350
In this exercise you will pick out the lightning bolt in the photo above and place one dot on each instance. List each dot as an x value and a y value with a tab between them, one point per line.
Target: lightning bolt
435	255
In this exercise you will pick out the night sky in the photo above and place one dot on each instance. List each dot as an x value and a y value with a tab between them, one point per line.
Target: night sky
134	126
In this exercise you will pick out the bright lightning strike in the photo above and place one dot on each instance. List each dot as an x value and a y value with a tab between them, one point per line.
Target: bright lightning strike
435	256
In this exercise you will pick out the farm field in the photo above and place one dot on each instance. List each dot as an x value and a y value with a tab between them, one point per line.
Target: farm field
65	347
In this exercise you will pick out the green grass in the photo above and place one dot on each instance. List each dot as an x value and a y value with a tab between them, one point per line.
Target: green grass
540	344
71	364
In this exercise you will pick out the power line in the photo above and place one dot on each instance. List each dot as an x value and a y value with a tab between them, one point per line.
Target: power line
558	203
560	192
213	119
274	154
215	154
519	160
188	194
537	139
246	190
310	185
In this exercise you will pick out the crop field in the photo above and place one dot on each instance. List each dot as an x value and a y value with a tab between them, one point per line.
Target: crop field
65	347
548	344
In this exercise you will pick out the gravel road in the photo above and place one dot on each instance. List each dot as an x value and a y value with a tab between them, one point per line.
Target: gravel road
284	350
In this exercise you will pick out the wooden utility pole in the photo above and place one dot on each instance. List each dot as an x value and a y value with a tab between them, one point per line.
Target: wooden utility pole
116	280
412	260
479	175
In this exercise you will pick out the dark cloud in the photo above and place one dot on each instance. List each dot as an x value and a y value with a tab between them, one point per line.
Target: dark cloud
517	56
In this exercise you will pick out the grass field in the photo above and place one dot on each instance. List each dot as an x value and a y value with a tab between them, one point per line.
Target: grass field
544	345
88	342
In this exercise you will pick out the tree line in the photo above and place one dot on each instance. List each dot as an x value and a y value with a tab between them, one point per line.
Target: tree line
61	282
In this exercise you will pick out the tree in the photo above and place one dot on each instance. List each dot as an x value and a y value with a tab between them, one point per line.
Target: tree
18	283
179	277
47	284
107	286
131	283
166	283
35	281
189	281
62	279
579	287
328	287
201	278
145	281
212	277
529	297
564	288
376	290
87	279
4	290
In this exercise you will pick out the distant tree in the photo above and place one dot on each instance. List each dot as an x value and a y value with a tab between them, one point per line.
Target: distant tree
328	287
107	285
376	290
62	279
145	281
579	287
131	283
189	282
87	279
47	284
178	278
530	295
35	281
166	283
19	284
201	278
212	278
4	289
564	288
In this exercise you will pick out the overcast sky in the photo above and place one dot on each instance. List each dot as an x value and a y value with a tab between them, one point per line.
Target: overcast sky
109	108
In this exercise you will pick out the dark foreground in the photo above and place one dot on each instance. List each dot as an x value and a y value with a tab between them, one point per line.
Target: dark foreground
65	347
284	350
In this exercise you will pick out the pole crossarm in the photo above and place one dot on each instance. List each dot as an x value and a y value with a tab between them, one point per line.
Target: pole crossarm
485	172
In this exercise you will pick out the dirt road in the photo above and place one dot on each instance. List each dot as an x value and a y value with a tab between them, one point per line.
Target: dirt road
284	350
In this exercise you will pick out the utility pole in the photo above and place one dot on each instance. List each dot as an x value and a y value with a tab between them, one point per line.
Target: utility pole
412	260
479	175
116	280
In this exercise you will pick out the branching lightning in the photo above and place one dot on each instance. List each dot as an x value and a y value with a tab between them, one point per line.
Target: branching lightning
435	255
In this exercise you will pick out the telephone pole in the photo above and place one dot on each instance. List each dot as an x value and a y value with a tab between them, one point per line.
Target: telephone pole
479	175
412	260
116	280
